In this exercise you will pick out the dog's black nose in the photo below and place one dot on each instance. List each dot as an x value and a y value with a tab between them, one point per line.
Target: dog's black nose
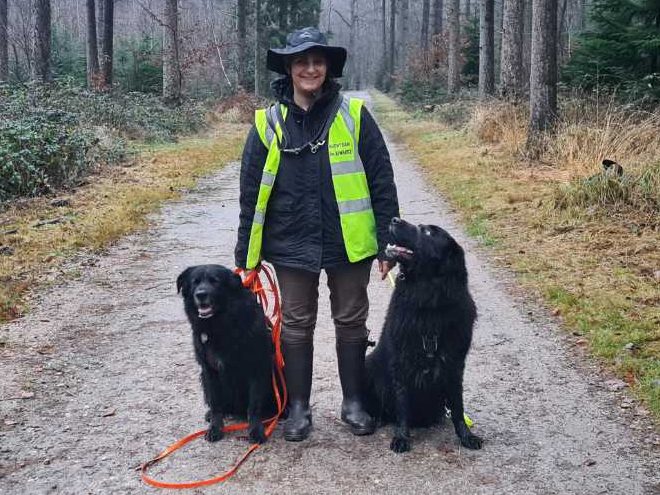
201	294
396	220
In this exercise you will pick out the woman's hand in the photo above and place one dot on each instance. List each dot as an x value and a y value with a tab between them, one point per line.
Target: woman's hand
384	267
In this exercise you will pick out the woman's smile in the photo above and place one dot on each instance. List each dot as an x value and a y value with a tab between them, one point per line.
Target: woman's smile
308	71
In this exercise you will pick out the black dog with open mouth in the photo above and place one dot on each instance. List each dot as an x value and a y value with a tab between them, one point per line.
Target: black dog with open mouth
233	347
416	370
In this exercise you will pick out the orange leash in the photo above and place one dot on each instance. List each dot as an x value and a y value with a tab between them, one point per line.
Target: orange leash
253	282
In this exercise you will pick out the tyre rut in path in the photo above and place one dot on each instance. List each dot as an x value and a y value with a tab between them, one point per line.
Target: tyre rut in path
109	361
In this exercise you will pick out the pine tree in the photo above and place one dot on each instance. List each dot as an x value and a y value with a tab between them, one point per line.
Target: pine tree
92	46
486	48
4	54
622	49
511	68
543	77
42	41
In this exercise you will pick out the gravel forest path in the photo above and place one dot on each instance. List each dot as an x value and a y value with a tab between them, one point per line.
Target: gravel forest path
100	377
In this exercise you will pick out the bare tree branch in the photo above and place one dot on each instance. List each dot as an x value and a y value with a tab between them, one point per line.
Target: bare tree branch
152	15
341	17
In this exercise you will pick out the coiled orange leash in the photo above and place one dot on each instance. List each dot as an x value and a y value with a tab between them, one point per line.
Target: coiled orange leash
253	282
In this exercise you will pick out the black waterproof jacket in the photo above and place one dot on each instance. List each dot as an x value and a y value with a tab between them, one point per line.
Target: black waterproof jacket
302	228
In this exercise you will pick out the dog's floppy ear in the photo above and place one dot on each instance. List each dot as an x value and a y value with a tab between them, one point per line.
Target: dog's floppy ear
182	279
235	281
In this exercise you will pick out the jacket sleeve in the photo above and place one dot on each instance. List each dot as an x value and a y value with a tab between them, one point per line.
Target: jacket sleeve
380	177
252	165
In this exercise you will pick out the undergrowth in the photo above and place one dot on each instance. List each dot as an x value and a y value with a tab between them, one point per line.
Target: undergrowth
52	135
586	134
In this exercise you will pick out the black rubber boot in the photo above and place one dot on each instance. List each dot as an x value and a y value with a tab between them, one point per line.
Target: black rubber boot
298	360
350	357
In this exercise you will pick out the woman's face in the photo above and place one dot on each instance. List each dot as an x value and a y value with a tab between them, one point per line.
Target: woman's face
308	71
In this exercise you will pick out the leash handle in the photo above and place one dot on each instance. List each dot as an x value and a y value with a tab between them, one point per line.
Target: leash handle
253	282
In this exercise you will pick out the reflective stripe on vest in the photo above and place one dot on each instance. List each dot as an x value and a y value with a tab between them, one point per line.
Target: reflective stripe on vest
356	216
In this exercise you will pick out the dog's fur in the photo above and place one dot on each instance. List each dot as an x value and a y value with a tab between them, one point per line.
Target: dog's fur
232	345
416	370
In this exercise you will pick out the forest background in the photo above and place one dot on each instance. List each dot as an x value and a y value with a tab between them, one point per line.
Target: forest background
538	119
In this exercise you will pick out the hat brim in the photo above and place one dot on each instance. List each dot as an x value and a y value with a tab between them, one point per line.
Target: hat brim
336	55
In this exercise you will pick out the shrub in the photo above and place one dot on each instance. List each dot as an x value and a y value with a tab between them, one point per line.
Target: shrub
238	108
635	190
42	151
50	135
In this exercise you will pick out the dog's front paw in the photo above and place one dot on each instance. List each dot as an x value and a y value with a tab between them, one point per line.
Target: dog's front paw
214	433
257	434
400	444
471	441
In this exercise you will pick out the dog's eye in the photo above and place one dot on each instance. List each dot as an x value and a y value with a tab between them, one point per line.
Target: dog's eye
195	281
213	280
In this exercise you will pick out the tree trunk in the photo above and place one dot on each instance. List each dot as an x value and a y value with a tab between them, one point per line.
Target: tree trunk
392	41
511	73
454	52
259	50
543	77
42	32
468	7
100	5
562	41
107	42
426	13
4	52
527	43
17	64
384	35
403	34
92	47
352	51
241	22
437	16
283	15
171	63
486	48
384	26
582	14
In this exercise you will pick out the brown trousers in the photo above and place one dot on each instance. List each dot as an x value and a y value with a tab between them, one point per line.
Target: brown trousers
349	302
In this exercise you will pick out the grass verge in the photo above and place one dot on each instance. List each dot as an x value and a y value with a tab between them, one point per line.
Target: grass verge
37	237
597	271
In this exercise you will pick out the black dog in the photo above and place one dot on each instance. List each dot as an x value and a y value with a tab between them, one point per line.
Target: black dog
416	370
233	346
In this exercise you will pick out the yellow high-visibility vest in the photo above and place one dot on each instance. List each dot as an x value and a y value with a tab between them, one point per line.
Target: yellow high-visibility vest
358	224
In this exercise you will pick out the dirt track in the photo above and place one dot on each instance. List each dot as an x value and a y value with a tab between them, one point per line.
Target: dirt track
100	377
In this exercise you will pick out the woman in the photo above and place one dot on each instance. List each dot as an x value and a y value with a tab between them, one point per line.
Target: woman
317	193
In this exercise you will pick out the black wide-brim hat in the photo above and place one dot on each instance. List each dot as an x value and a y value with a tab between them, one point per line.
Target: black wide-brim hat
302	40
